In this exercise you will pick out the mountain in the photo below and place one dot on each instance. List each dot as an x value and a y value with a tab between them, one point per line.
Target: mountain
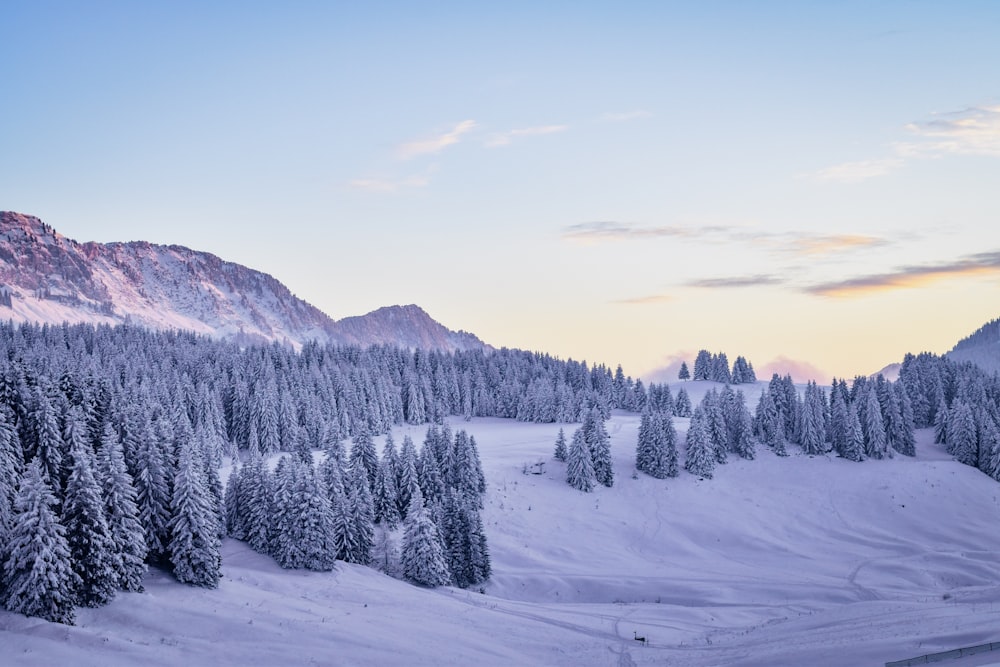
981	348
46	277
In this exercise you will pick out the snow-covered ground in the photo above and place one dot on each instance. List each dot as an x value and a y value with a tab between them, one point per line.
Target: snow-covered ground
778	561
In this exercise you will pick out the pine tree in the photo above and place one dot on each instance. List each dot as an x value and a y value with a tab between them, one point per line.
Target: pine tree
962	435
854	444
408	482
682	405
235	506
363	453
38	574
256	490
561	453
194	526
684	373
580	466
92	549
152	494
11	463
422	552
599	442
703	365
904	441
872	424
700	459
305	535
385	496
362	513
122	513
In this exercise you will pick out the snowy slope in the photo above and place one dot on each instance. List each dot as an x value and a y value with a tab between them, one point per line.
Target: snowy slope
49	278
778	561
981	348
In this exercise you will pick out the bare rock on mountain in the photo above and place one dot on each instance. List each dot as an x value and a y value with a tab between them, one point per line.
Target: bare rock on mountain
46	277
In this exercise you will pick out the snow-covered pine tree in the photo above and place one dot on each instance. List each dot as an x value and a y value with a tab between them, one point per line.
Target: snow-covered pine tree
872	424
92	550
854	444
38	575
256	492
740	426
122	512
385	496
684	373
682	404
235	506
839	424
153	493
561	452
362	514
407	483
194	526
962	433
363	452
599	442
901	423
579	464
11	464
700	458
422	552
703	365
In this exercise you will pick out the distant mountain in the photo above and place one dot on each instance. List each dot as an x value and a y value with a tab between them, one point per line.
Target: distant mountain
981	348
46	277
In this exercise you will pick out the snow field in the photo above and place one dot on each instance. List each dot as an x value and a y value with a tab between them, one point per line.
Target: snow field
777	561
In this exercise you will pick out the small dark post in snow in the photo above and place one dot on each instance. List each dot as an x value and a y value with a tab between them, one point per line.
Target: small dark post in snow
635	635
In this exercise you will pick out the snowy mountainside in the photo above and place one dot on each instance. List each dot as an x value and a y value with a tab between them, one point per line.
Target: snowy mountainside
801	560
981	348
46	277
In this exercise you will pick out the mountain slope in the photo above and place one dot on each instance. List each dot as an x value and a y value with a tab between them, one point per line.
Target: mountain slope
46	277
981	348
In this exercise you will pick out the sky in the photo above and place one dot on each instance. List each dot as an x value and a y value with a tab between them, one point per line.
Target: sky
814	186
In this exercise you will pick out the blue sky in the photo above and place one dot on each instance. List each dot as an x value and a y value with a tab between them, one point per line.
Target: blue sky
618	182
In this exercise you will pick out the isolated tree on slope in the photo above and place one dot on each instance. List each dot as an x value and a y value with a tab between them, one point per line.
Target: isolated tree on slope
422	552
684	373
38	576
194	526
561	452
580	467
92	551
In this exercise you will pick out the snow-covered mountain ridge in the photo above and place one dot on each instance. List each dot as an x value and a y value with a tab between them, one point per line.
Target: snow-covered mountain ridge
46	277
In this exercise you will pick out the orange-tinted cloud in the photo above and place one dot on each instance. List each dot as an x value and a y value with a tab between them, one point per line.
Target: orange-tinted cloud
801	371
823	245
979	264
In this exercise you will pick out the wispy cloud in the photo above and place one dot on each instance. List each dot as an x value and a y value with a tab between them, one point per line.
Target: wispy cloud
979	264
609	230
434	144
505	138
971	131
625	116
795	243
391	185
855	172
645	300
736	282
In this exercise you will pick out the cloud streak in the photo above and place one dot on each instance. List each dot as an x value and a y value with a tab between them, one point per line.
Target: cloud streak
761	280
391	185
801	244
434	144
645	300
505	138
908	277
